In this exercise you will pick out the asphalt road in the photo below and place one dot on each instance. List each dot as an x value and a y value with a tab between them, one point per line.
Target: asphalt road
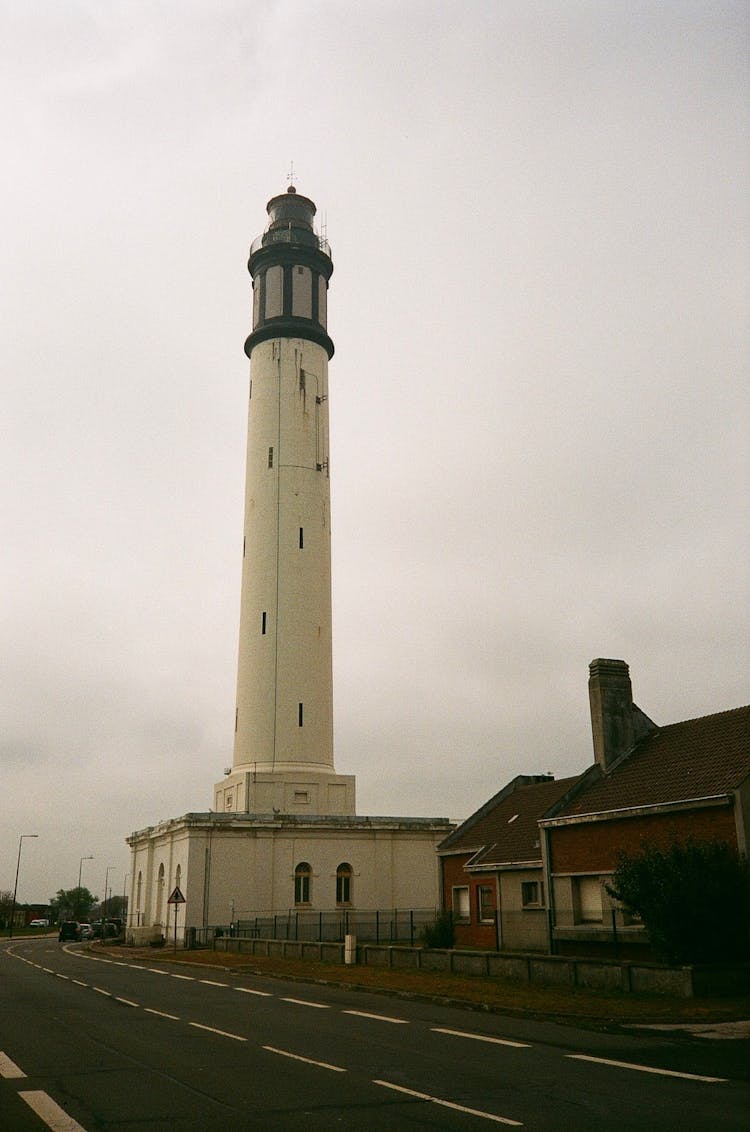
93	1042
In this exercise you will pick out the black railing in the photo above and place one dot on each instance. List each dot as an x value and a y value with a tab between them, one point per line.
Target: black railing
392	925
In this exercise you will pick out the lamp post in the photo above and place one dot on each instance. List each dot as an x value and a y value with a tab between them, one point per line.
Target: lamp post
15	889
78	890
106	882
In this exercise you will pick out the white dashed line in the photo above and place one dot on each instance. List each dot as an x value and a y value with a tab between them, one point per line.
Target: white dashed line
305	1002
126	1001
211	983
101	990
161	1013
260	993
9	1068
188	978
78	983
481	1038
307	1060
646	1069
377	1017
451	1104
213	1030
156	971
56	1119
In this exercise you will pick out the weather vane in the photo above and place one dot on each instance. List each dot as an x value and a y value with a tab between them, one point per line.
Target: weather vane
290	175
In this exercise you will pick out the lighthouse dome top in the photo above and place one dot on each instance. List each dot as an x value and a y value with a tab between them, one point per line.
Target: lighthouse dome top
291	210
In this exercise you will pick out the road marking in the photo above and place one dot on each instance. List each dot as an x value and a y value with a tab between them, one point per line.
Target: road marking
156	971
126	1001
189	978
307	1060
78	983
211	983
59	976
377	1017
100	990
53	1116
481	1038
48	970
450	1104
9	1068
646	1068
260	993
306	1002
161	1013
213	1030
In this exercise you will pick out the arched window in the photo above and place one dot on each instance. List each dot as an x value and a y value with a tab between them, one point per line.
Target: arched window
302	875
159	894
344	883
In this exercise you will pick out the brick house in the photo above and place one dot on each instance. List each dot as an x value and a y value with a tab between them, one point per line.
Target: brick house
491	867
649	784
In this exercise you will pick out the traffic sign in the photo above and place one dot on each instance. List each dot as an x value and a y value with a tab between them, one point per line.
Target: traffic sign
176	897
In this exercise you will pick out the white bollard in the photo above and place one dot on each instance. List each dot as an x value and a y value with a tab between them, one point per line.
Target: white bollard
350	949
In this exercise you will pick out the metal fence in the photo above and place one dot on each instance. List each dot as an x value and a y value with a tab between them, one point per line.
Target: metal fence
392	925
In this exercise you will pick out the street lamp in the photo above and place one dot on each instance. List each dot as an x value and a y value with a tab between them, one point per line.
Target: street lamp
15	890
78	890
106	882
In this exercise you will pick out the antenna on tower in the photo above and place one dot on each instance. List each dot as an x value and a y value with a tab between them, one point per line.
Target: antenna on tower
290	178
324	228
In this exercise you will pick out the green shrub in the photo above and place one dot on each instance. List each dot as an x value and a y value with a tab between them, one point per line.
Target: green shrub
693	898
440	933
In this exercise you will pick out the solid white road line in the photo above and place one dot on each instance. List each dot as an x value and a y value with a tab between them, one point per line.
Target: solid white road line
161	1013
9	1068
450	1104
53	1116
306	1002
211	1029
260	993
481	1038
646	1069
307	1060
377	1017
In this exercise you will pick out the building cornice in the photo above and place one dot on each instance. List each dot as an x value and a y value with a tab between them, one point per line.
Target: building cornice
638	811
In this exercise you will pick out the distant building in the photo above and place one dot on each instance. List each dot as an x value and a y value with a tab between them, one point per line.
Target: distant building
283	832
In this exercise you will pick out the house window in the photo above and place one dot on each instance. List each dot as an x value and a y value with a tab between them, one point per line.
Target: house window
486	903
300	714
301	797
461	909
588	900
302	875
344	883
532	894
270	457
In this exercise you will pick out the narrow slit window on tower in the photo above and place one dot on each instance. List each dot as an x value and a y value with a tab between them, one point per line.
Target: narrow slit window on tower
302	538
270	457
263	622
300	714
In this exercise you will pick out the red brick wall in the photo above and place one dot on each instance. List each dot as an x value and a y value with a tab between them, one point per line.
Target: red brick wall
473	934
594	846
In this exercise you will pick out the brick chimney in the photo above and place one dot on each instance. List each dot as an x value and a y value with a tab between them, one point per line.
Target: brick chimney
616	722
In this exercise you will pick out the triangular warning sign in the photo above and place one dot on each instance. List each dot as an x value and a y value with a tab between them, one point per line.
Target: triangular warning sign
176	897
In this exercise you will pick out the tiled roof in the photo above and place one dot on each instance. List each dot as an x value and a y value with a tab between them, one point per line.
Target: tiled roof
508	831
694	759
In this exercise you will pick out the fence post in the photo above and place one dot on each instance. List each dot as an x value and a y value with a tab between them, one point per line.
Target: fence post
411	927
614	932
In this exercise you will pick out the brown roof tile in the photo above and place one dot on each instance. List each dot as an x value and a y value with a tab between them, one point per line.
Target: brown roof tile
508	831
694	759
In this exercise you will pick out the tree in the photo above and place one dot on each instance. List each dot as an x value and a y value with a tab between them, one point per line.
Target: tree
693	898
6	903
73	904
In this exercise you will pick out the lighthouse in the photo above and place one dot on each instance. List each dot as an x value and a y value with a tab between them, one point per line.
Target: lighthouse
283	739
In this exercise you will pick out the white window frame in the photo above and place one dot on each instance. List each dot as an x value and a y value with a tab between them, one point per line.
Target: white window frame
461	903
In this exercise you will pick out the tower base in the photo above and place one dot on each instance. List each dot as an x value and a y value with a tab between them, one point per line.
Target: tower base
298	791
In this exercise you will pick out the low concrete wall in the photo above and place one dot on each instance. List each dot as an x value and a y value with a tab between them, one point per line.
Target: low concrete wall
539	970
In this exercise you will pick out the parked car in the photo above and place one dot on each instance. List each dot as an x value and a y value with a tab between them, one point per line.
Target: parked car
69	929
39	923
86	931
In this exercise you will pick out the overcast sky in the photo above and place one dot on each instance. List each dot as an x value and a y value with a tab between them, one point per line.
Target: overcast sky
538	213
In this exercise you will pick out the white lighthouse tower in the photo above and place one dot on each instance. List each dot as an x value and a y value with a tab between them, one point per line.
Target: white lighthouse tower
283	743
